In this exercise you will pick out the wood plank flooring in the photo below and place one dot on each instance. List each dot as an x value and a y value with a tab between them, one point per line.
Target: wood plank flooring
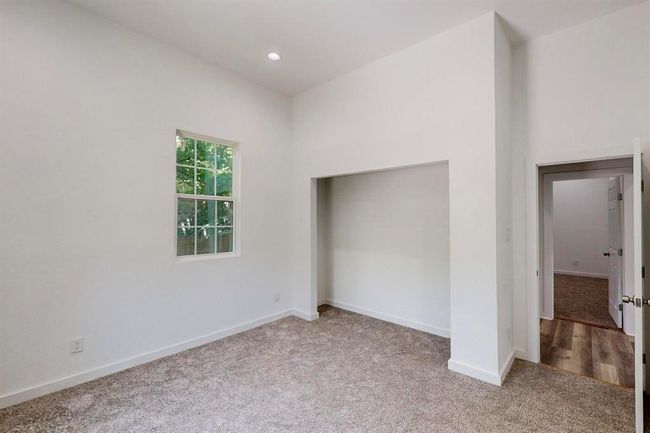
599	353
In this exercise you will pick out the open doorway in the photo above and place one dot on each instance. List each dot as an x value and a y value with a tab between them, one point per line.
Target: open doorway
586	211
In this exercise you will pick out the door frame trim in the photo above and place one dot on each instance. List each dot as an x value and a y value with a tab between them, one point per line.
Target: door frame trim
533	189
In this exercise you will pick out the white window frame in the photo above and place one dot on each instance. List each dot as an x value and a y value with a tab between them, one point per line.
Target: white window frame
235	199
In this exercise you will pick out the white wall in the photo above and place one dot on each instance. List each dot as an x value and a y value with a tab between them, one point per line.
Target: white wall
503	96
582	88
386	245
432	102
89	112
581	227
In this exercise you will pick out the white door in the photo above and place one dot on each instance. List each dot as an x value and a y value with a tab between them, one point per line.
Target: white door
615	270
639	371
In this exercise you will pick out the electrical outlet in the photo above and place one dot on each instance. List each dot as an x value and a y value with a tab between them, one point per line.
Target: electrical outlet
76	345
276	297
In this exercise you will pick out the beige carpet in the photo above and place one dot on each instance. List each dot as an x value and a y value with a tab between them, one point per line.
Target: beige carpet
342	373
583	299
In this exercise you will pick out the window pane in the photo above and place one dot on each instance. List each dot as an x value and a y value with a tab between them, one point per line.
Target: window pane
224	239
205	154
185	212
224	171
204	182
184	242
224	213
184	150
206	213
184	180
205	241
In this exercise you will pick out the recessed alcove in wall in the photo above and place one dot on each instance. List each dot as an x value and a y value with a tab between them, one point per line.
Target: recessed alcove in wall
383	245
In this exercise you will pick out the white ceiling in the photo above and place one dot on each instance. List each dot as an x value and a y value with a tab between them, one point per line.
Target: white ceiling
320	39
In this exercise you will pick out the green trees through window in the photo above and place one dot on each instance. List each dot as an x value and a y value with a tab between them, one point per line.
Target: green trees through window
205	202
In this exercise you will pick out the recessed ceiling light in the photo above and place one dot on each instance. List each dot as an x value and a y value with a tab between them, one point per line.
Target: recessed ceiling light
274	56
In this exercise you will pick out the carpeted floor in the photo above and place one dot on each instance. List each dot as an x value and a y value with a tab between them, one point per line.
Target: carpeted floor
583	299
342	373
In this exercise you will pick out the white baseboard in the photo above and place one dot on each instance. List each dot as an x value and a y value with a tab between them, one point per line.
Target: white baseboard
522	354
581	274
481	374
506	368
442	332
305	316
95	373
475	372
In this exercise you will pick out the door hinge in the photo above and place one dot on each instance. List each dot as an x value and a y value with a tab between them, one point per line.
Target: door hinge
642	271
644	358
620	251
619	197
620	307
642	185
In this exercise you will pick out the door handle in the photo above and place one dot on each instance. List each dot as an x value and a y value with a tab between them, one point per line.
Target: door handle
638	302
606	254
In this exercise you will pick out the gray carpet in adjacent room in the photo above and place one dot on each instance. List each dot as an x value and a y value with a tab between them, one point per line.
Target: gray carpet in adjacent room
583	299
342	373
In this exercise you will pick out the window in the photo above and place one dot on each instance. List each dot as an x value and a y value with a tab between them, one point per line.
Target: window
205	199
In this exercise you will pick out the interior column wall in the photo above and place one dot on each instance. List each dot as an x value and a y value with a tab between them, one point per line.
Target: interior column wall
503	148
432	102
